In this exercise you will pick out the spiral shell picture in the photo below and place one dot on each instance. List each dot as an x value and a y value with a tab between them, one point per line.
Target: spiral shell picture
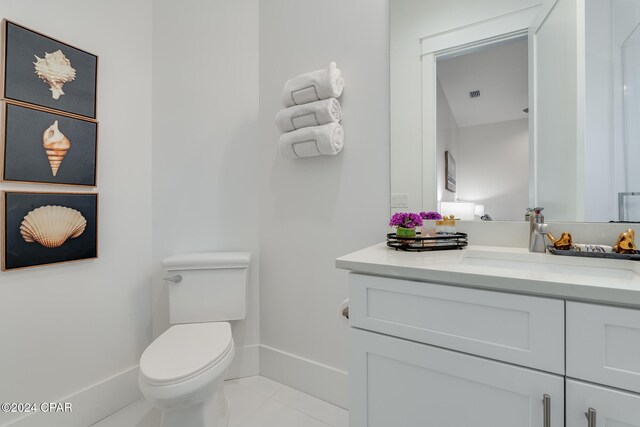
56	146
51	226
56	70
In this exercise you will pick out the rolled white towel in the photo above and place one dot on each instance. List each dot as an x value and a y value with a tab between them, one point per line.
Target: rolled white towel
311	114
581	247
313	86
312	141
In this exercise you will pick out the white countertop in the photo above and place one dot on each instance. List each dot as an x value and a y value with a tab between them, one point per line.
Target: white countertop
507	269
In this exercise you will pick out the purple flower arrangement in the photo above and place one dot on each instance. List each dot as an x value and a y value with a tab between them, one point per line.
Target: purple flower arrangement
406	220
430	215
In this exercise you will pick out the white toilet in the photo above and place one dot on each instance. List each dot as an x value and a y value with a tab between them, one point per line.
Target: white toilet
183	370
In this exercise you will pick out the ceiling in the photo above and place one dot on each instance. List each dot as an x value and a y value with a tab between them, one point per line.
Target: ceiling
499	72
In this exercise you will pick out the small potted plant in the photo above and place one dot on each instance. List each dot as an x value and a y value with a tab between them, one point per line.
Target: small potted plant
406	223
429	223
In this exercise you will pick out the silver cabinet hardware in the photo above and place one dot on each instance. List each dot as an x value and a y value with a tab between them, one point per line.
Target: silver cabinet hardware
591	417
546	409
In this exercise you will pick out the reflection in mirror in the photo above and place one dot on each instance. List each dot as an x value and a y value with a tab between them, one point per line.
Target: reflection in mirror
574	153
482	122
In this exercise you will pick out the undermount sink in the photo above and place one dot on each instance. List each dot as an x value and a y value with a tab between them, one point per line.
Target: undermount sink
547	263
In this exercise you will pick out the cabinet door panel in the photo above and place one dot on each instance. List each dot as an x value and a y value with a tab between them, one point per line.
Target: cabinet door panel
613	408
603	345
518	329
406	384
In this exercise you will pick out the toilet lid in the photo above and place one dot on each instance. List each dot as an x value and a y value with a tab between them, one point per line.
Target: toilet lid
185	350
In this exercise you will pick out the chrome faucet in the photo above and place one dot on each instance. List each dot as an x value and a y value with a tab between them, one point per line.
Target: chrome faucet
538	231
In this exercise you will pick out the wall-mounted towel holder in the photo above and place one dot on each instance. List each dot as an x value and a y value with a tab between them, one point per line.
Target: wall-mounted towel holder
311	121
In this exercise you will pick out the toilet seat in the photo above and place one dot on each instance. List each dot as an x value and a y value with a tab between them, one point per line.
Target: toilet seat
184	352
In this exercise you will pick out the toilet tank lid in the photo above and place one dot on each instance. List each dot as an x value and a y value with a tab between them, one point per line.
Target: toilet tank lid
207	260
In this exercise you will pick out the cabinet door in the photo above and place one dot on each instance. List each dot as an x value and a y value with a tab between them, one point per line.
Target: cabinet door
613	408
603	345
400	383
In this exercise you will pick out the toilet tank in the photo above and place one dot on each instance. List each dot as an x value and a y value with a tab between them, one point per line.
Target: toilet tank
208	286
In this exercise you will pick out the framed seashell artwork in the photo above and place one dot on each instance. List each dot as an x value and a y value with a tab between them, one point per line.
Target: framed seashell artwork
43	147
48	228
43	71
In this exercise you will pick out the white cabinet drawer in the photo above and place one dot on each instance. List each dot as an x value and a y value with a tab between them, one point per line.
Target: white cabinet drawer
603	345
399	383
524	330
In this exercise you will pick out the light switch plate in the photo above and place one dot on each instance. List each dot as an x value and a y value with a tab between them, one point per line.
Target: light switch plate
399	200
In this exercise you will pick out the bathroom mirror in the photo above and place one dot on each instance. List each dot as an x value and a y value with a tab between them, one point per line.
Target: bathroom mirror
536	103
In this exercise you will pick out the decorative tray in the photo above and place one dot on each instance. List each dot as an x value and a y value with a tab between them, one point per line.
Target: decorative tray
607	255
427	243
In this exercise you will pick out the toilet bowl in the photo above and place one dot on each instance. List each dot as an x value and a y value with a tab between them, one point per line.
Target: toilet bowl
182	372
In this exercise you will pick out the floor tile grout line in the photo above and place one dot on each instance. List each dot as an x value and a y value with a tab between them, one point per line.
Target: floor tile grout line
274	400
244	422
311	396
121	410
259	391
304	412
300	411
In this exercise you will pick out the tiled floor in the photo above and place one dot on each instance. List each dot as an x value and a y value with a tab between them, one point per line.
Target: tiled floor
253	402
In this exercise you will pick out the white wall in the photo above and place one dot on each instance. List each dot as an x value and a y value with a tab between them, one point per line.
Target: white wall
411	20
67	327
446	140
493	167
316	209
205	145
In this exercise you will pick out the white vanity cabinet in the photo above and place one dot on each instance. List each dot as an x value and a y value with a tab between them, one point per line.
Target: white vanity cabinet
435	355
411	377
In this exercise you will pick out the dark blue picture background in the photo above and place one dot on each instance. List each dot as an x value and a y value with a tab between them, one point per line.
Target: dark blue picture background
19	253
26	158
23	84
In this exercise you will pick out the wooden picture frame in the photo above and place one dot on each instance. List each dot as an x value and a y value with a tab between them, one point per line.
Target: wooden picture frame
29	239
450	172
40	146
28	60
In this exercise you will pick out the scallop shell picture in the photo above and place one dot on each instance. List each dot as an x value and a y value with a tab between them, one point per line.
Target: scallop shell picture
56	70
51	226
56	145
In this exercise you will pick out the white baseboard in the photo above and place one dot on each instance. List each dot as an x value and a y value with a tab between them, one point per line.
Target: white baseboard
245	362
91	404
322	381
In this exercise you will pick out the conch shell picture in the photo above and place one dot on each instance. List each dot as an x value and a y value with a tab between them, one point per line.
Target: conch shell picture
56	146
56	70
51	226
